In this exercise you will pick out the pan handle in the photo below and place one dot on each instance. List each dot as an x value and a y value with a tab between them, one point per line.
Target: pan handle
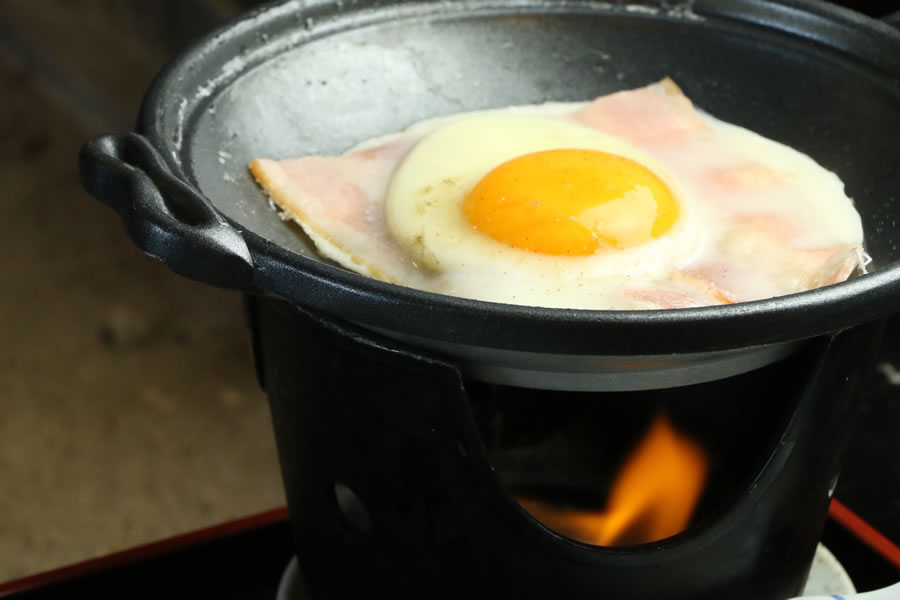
167	219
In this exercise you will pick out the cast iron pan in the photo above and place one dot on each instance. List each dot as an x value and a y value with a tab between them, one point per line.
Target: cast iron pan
319	76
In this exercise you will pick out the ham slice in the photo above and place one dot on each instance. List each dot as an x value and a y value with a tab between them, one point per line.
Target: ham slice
339	203
335	200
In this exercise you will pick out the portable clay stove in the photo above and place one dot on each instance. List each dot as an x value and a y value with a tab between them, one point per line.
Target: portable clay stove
439	447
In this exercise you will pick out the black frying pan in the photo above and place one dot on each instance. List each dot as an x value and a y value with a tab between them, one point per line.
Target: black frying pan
319	76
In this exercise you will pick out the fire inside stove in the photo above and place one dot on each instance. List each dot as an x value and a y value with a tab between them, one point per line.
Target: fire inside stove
652	497
625	469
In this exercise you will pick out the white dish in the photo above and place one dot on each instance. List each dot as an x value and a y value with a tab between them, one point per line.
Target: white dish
826	577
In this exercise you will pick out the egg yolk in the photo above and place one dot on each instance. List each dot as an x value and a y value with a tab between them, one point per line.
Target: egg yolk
571	202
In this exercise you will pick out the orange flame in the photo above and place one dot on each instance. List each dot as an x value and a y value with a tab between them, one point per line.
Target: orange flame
652	498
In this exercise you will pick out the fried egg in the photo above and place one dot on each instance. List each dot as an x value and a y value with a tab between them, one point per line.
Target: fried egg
635	200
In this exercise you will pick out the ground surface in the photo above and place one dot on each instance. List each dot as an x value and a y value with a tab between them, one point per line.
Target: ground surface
128	408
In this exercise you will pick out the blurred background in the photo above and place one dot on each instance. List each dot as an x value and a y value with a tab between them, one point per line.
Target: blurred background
129	411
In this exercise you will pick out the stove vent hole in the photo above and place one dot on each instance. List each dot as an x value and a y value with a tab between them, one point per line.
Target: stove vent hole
355	514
